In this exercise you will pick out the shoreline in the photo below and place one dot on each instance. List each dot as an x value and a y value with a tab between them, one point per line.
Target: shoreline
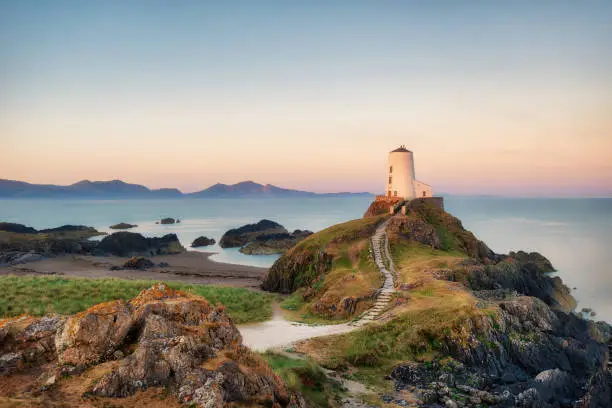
192	267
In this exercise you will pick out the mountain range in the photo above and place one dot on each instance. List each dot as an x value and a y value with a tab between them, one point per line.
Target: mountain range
120	189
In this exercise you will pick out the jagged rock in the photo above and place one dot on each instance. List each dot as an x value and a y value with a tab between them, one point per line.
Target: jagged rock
162	337
27	340
167	221
132	244
123	225
94	334
138	262
202	241
237	237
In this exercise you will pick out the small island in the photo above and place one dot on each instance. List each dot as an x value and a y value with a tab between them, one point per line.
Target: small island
202	241
122	226
263	238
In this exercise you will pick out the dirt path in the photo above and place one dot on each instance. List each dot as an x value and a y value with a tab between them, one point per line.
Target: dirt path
279	332
188	267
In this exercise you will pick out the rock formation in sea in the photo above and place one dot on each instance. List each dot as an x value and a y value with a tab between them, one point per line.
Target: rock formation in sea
122	226
263	238
202	241
162	339
168	221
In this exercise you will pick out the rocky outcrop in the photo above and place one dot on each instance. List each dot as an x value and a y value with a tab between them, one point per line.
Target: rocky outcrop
526	355
18	257
168	221
414	229
202	241
161	338
299	267
68	239
520	272
274	243
133	244
237	237
16	228
122	226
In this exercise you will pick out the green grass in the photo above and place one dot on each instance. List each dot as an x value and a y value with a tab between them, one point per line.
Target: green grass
38	296
306	377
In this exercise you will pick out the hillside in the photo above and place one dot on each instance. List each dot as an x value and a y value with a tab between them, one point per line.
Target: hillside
464	324
115	189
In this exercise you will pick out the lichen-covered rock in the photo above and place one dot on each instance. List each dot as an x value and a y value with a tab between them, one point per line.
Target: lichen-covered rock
94	334
27	340
161	338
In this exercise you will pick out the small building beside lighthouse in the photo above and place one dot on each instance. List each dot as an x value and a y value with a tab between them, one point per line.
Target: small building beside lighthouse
401	181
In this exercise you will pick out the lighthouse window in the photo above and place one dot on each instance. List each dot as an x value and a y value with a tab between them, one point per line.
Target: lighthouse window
390	169
389	179
395	193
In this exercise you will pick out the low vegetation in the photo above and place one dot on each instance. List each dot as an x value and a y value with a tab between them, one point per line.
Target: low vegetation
346	288
306	377
38	296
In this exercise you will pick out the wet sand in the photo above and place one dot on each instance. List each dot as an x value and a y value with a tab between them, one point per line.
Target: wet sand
188	267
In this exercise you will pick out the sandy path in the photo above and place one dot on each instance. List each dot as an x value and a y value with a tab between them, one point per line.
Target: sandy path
189	267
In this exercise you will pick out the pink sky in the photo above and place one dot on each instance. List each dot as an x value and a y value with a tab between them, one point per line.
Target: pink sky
509	98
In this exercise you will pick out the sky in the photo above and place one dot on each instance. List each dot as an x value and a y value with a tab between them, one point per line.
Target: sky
493	97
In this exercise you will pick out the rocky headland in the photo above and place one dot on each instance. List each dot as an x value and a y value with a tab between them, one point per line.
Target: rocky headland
21	244
263	238
164	346
465	327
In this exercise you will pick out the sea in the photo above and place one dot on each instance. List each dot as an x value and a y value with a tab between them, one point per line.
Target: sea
574	233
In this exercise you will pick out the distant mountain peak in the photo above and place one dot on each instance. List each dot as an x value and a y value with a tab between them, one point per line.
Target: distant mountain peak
112	189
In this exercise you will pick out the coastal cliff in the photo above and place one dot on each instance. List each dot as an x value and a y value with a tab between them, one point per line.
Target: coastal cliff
466	327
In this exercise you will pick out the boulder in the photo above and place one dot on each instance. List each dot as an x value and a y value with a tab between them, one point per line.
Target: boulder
138	262
132	244
202	241
238	237
94	334
123	225
167	221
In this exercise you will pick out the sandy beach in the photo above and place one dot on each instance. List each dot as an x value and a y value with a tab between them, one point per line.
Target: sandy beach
188	267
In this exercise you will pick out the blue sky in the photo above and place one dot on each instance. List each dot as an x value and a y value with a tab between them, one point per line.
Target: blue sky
508	97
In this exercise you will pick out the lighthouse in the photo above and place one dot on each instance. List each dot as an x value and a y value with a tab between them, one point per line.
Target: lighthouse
401	182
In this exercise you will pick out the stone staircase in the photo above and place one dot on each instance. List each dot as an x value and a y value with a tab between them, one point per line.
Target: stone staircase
380	251
610	356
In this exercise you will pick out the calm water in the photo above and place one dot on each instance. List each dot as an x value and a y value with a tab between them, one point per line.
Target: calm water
575	234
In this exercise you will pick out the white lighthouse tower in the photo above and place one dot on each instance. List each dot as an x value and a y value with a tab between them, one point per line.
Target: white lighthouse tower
402	183
401	174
